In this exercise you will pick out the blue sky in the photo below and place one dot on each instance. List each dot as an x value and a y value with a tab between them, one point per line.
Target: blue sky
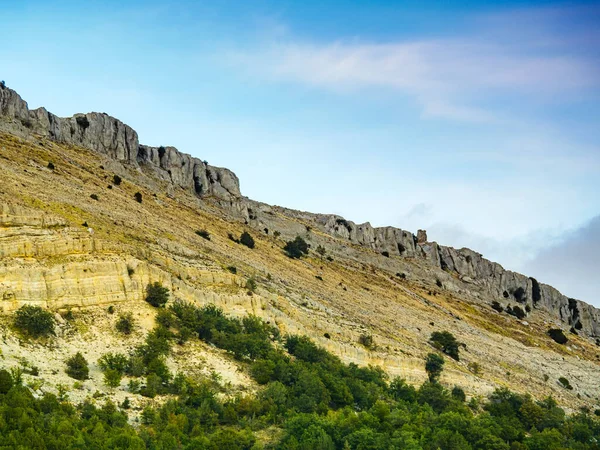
477	121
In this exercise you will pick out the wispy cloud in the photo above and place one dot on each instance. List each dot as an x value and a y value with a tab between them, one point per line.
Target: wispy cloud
448	78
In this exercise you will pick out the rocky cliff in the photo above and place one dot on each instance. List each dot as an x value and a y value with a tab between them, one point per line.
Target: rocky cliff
110	137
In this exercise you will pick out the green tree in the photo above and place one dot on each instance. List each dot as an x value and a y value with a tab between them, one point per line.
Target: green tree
125	323
156	294
296	248
434	364
77	367
6	381
446	342
112	378
34	321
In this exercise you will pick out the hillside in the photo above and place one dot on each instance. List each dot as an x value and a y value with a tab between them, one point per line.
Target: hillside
89	217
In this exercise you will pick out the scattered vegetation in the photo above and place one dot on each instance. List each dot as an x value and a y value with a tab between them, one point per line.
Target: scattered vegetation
34	321
321	251
138	197
309	399
117	180
232	269
94	197
251	285
386	253
51	165
438	283
157	295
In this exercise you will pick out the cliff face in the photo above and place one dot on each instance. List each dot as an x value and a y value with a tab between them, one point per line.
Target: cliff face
110	137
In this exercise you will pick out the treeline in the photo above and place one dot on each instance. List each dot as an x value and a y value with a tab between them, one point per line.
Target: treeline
309	400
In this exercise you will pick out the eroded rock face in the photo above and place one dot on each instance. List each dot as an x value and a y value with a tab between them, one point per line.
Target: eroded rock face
111	137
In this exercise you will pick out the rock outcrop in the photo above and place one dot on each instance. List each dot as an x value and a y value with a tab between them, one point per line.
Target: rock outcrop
111	137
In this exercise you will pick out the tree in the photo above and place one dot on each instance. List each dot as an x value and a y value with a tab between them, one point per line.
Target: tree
77	367
34	321
446	342
6	381
296	248
157	295
434	364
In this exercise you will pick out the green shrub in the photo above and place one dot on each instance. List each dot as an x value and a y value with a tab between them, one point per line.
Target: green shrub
51	165
125	323
157	295
247	240
458	394
386	253
446	342
138	197
77	367
94	197
117	180
114	361
497	306
251	285
112	378
34	321
232	269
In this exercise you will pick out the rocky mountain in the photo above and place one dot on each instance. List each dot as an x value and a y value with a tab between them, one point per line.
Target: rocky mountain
89	216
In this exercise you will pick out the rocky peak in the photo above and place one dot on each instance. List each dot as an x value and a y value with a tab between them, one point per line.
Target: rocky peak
111	137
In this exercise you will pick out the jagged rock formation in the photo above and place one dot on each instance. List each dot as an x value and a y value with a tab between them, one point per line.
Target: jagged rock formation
116	140
111	137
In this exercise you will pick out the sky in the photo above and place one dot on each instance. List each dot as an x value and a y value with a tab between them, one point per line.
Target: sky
478	121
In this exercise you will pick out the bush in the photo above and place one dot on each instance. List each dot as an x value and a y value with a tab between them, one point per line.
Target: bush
519	295
112	378
34	321
251	284
516	311
94	197
497	306
51	165
117	180
366	340
434	364
157	295
114	361
111	309
232	269
77	367
296	248
203	234
125	324
247	240
565	383
438	283
138	197
386	254
446	342
558	335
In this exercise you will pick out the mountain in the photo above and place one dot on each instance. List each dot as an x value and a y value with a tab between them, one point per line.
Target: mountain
89	217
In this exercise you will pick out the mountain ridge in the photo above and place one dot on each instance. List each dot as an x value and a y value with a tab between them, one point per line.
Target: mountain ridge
104	134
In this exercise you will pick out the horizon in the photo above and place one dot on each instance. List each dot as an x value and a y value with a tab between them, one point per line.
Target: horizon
490	116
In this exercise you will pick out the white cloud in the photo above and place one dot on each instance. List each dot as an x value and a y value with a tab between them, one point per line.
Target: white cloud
446	77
